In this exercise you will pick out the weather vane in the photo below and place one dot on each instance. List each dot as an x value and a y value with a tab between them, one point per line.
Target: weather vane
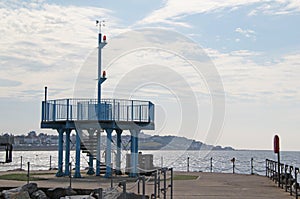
100	24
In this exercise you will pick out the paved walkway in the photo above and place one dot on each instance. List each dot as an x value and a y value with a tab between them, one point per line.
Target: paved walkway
206	186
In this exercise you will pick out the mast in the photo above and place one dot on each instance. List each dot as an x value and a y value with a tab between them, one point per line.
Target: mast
101	79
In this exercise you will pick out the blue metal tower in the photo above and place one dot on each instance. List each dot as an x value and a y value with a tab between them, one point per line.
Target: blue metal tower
95	116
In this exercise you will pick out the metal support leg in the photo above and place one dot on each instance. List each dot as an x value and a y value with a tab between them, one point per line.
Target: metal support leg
98	158
118	155
91	157
108	173
134	153
77	156
67	151
60	153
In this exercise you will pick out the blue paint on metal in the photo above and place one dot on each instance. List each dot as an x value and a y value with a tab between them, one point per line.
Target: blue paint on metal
67	151
60	153
112	110
134	153
118	155
98	158
77	156
91	157
108	153
68	108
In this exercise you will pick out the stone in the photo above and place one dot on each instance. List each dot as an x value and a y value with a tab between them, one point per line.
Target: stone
132	196
39	194
79	197
7	193
30	188
59	192
19	195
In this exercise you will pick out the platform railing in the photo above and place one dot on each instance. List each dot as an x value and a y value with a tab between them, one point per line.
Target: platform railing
286	178
89	109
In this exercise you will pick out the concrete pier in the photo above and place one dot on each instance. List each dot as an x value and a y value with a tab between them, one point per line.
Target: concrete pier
204	185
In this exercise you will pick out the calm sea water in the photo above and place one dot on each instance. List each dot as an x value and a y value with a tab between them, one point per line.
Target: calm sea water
198	160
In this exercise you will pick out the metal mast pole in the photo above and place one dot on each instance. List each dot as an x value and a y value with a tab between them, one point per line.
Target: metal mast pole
101	44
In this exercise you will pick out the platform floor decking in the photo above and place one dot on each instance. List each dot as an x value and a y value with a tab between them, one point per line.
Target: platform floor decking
206	186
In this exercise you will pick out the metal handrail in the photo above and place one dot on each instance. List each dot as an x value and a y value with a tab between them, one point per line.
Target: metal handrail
89	109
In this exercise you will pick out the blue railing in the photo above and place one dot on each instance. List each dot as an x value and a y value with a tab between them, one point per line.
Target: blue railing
89	109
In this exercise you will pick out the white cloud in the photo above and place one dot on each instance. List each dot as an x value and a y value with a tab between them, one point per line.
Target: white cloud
246	32
175	10
245	79
45	44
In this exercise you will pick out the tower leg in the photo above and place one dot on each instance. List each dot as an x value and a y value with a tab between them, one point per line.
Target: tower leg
67	158
134	153
118	155
108	154
77	155
91	157
98	158
60	153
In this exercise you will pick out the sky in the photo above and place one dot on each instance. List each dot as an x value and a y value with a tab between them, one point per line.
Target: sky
252	48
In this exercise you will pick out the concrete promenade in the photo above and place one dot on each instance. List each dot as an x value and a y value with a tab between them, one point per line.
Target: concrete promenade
205	186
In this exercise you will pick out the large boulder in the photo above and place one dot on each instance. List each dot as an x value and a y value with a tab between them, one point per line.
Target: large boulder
7	193
30	188
39	194
59	192
132	196
19	195
79	197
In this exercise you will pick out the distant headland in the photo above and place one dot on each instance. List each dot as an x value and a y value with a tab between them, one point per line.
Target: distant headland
40	142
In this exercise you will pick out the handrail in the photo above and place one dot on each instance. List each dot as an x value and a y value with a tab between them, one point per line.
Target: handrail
89	109
286	178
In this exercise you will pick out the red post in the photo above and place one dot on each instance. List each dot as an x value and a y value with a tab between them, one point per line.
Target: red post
277	150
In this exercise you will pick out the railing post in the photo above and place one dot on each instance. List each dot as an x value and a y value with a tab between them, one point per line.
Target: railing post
211	164
70	174
267	168
296	182
144	187
132	110
45	104
171	196
68	103
155	185
286	176
28	172
291	182
188	164
140	113
233	165
252	166
21	163
158	184
50	166
54	111
165	183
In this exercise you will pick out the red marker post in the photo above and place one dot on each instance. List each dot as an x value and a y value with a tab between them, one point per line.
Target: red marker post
277	150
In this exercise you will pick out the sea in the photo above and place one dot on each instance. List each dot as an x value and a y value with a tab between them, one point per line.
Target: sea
193	161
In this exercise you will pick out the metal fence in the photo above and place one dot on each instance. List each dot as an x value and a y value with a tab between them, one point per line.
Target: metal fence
286	176
90	109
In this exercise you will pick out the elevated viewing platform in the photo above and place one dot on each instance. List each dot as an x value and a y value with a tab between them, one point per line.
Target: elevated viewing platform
112	113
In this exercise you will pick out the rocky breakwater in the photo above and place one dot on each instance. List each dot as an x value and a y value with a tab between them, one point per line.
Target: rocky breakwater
31	191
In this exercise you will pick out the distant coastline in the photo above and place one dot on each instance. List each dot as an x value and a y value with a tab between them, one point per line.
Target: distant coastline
44	142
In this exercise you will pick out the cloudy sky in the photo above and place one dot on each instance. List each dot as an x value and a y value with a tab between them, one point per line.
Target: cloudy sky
254	46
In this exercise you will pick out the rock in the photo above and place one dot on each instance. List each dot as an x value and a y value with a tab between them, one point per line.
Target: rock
79	197
39	194
19	195
7	193
132	196
57	193
30	188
